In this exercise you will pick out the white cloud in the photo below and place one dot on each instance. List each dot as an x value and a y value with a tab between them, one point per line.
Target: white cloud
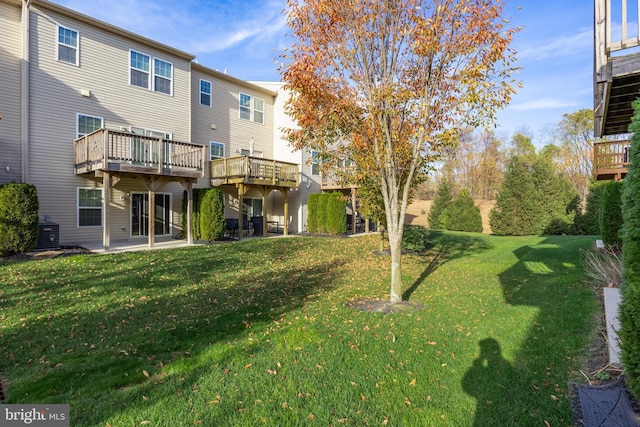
558	46
543	104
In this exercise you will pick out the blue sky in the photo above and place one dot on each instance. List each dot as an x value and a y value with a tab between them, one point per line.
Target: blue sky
555	46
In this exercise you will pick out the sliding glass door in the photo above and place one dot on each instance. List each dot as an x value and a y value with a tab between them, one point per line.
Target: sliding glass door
140	214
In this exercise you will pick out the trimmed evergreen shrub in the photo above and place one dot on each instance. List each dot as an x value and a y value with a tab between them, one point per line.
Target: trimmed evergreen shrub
312	213
611	214
534	199
336	214
212	223
516	209
629	310
589	221
321	215
559	198
18	218
437	214
415	238
463	214
195	221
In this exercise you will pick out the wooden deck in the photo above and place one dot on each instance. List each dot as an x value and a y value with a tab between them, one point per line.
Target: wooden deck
616	64
257	171
337	179
124	152
610	160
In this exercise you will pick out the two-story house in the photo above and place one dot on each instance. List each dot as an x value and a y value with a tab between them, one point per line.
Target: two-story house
114	129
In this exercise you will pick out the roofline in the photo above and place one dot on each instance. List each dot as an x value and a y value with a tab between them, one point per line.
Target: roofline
53	7
227	77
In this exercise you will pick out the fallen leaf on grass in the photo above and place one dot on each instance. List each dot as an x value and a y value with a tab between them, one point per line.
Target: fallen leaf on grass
413	383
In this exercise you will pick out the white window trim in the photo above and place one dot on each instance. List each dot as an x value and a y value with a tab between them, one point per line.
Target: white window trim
211	143
150	72
252	108
58	44
153	70
166	135
78	208
201	92
78	135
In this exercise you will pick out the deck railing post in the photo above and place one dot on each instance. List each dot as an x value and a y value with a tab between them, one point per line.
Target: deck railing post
105	148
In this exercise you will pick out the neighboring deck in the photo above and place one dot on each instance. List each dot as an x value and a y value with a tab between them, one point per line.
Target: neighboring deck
123	153
610	160
337	179
257	171
616	65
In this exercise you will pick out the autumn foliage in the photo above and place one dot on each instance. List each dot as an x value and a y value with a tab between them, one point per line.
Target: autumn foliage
388	83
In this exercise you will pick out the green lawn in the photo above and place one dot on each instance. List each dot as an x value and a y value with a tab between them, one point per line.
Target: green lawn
258	333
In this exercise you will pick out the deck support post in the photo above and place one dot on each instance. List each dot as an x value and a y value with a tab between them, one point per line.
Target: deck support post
241	191
354	192
187	183
106	203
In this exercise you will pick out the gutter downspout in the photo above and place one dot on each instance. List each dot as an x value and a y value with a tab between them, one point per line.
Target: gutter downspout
24	94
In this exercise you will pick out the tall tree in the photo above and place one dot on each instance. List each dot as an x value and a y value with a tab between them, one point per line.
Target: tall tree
576	138
399	74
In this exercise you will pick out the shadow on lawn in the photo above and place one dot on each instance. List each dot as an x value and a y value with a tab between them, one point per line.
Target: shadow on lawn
534	390
444	247
126	346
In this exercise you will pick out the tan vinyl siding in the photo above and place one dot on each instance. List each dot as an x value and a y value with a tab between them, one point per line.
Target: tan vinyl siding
56	99
230	130
10	88
224	113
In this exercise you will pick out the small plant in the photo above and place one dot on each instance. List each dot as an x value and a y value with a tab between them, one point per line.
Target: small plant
603	376
415	238
604	268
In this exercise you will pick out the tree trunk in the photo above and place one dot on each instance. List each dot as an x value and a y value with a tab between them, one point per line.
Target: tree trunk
395	246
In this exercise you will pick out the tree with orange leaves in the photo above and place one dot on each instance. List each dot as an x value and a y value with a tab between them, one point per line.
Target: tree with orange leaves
387	83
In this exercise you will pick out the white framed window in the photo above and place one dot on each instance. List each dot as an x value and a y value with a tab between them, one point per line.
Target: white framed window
89	207
143	67
86	124
315	163
217	150
67	46
205	93
152	133
251	108
139	69
162	76
258	110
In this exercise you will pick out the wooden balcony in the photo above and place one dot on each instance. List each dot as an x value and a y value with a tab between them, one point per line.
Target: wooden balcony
249	170
337	179
124	152
610	160
616	65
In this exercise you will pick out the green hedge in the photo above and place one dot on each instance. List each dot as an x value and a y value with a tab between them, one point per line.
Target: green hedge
611	214
18	218
198	196
321	215
312	214
336	214
589	222
212	223
629	310
327	213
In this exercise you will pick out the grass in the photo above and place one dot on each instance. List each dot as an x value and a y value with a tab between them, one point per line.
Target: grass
257	333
